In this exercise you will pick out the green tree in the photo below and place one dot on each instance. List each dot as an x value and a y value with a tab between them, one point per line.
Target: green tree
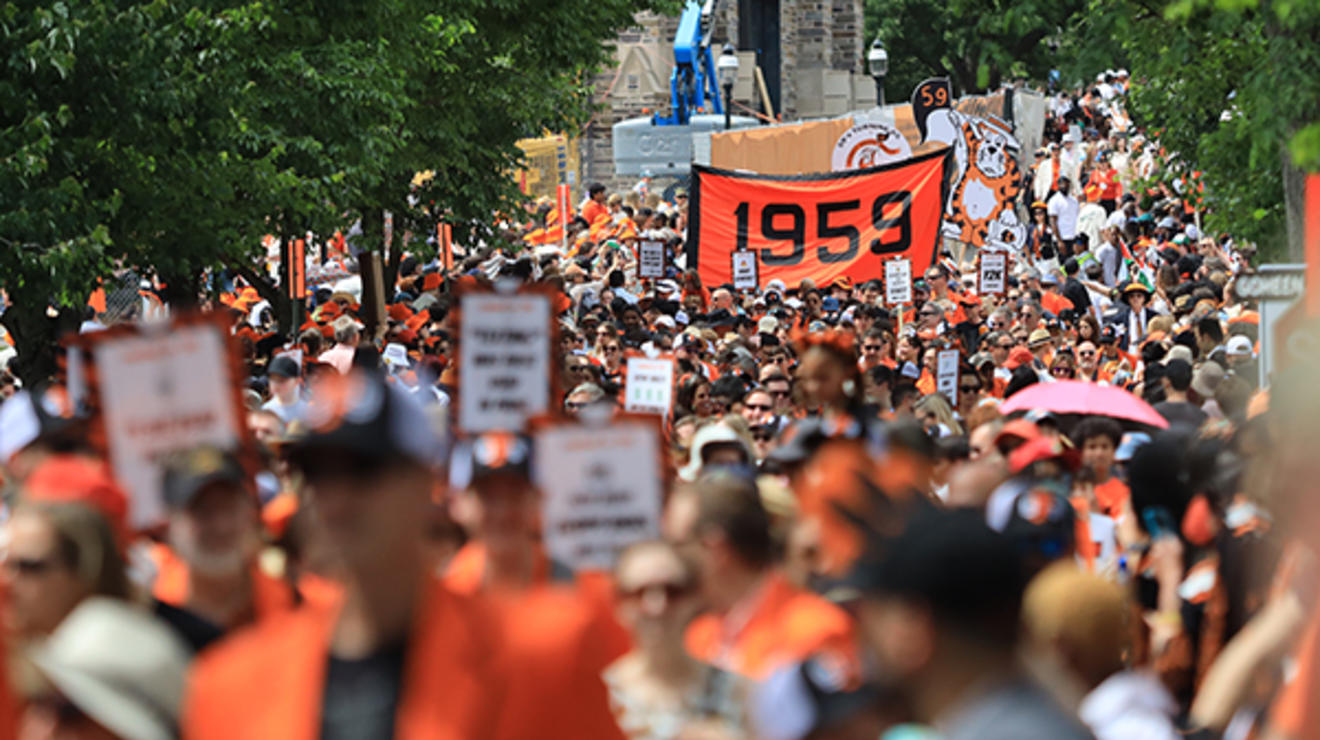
976	43
1231	87
169	135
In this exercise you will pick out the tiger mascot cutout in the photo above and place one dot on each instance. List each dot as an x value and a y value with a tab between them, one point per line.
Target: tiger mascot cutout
986	181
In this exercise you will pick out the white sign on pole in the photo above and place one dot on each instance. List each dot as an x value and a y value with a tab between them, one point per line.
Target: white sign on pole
651	259
994	269
744	270
162	393
898	282
602	490
946	375
650	385
504	361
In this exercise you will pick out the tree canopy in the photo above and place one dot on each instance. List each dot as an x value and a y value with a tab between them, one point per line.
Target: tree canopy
173	134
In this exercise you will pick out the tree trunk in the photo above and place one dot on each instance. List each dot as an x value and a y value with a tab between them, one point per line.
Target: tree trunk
180	291
279	303
36	336
1294	200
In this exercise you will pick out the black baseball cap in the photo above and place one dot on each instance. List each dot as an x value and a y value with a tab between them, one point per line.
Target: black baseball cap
950	560
362	415
188	472
284	366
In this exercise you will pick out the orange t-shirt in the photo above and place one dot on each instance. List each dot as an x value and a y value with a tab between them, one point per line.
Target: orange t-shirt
1054	302
784	625
1110	497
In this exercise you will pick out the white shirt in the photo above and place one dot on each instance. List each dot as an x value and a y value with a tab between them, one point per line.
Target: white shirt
1065	208
1109	258
1090	221
1130	705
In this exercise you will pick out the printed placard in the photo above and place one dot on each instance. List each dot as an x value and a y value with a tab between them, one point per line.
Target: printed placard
898	282
744	271
504	361
601	488
650	386
994	270
946	375
651	259
162	393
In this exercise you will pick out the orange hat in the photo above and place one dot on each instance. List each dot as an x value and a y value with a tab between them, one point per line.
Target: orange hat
842	281
1092	193
432	281
400	312
329	310
418	320
1018	357
328	331
80	480
407	336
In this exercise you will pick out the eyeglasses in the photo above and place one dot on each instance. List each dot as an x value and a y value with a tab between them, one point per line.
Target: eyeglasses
1086	353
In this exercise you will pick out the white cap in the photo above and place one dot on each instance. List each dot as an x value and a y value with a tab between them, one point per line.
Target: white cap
1239	346
119	666
776	286
767	325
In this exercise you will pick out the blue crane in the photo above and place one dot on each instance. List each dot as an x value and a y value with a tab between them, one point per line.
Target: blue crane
693	81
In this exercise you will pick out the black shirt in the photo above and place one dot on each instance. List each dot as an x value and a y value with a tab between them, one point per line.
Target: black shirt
1181	413
362	695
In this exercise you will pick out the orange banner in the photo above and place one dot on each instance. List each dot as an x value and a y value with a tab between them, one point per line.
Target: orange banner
820	227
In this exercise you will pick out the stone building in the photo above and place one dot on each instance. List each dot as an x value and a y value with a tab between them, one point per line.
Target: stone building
811	55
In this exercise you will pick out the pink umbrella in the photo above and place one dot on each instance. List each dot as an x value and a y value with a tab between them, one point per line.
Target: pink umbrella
1077	397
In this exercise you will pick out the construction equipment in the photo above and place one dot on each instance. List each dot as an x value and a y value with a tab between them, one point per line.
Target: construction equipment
693	82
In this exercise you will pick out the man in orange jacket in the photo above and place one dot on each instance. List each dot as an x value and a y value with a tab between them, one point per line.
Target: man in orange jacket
399	655
208	579
558	631
759	622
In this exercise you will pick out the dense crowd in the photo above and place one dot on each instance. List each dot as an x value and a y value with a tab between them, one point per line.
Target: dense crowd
1098	525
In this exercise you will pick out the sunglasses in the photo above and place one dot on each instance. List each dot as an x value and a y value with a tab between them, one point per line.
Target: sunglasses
763	408
671	590
610	349
1061	371
763	436
1086	353
574	405
779	394
871	347
1004	346
970	388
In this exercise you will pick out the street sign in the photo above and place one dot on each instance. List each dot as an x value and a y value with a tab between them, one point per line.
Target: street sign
1272	281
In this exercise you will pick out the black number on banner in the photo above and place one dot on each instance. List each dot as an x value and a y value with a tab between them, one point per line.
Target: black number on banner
903	222
797	233
823	228
741	212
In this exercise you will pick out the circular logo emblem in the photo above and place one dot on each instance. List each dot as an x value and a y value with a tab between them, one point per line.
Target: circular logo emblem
869	145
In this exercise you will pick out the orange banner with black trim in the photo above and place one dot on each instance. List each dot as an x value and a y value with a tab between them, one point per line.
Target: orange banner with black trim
819	226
